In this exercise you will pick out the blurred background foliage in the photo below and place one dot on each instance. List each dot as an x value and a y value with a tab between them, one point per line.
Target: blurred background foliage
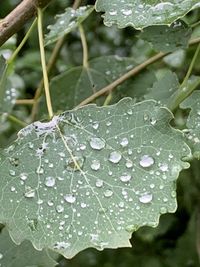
176	241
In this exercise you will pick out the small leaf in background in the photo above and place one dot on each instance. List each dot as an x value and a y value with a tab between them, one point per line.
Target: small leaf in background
23	255
143	13
73	86
67	22
164	88
193	121
167	39
92	176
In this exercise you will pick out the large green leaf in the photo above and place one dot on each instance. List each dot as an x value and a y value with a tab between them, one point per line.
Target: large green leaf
92	176
67	22
23	255
193	121
144	13
168	39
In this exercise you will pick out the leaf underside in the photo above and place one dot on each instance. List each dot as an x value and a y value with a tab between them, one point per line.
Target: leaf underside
92	176
143	13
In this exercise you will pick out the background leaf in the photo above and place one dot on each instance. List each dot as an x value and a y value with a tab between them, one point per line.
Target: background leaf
143	13
23	255
96	175
67	22
167	39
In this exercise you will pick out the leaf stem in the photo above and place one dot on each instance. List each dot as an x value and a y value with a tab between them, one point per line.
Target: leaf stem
43	61
182	93
84	45
16	120
191	66
108	99
12	58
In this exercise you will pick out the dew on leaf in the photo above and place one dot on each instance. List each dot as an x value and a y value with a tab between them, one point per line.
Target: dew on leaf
163	167
75	163
115	157
146	198
124	142
70	198
108	193
129	164
12	189
59	208
12	172
40	170
125	177
99	183
14	161
97	143
83	205
23	176
146	161
29	192
50	181
95	165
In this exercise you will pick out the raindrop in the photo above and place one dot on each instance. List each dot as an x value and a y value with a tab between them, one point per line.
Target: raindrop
95	165
125	177
121	204
29	192
12	189
115	157
146	161
164	167
129	164
146	198
99	183
50	203
50	181
1	256
83	205
124	142
12	173
95	125
70	198
23	176
97	143
59	208
153	121
14	161
75	164
108	193
40	170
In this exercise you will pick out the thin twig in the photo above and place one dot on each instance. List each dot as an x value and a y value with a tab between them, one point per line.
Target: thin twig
24	102
129	74
123	78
